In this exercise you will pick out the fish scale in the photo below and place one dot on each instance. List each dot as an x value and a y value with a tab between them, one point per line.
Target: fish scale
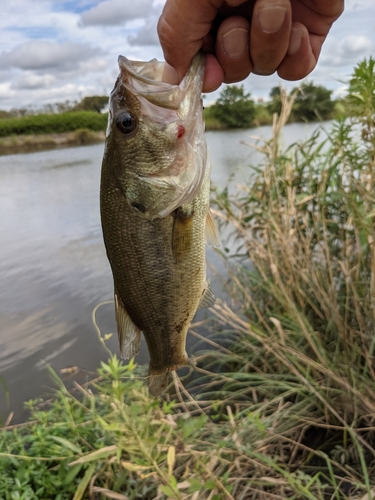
157	249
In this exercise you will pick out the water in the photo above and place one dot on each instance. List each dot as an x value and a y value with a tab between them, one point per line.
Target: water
53	268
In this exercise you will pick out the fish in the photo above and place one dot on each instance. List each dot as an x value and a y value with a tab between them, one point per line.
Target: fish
155	213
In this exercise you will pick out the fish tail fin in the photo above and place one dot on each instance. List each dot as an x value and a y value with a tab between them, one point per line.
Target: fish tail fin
158	382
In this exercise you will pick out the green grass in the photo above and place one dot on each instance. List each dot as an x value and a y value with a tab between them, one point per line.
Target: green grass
53	123
283	405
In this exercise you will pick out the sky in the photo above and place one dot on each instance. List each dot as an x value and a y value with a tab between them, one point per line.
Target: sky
58	50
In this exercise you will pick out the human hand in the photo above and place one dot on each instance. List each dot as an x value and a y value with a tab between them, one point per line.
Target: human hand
244	36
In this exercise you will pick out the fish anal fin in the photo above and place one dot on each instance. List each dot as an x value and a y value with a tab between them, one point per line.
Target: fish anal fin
212	234
129	335
208	298
182	237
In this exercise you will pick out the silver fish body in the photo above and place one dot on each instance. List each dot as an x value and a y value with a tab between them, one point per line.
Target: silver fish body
154	198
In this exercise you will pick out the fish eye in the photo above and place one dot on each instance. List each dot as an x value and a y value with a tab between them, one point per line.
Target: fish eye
126	122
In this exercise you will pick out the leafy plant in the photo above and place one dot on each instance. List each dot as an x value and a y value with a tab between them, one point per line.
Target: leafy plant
234	108
53	123
313	102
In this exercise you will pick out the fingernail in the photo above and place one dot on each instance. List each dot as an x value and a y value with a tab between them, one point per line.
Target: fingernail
295	40
170	75
271	18
236	42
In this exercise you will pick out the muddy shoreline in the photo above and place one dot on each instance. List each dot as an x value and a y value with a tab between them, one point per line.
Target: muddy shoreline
30	143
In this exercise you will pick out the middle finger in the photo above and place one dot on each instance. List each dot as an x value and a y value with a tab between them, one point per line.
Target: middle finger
269	36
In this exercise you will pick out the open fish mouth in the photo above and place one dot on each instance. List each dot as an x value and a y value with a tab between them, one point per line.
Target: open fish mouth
175	111
145	79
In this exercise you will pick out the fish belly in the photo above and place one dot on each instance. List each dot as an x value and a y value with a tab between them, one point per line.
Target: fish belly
159	274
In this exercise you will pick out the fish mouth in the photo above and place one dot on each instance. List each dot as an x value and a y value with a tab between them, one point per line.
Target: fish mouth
145	79
177	109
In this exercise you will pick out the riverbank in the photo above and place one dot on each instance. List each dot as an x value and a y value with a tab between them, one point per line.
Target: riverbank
283	404
38	142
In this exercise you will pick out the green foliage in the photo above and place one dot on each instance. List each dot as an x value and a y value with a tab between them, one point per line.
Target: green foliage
211	122
361	97
305	320
262	115
53	123
92	103
274	106
234	108
313	102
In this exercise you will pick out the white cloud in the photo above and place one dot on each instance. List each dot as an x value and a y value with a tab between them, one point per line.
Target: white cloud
348	51
30	81
114	12
45	55
147	34
356	45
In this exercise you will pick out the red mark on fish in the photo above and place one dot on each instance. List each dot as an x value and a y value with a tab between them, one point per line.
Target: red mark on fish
180	131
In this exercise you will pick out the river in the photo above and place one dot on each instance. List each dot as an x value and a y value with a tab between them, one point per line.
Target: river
53	268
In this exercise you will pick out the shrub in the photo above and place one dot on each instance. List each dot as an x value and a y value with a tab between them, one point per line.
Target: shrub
234	108
53	123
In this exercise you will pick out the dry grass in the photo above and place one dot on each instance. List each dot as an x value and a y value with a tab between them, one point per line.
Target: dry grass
283	406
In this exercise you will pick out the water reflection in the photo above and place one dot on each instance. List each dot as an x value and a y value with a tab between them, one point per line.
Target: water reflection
53	268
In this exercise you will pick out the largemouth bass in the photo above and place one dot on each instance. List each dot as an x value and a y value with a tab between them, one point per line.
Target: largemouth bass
154	201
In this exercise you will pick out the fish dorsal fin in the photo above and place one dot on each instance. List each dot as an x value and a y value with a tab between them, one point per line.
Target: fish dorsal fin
182	236
208	298
129	335
212	234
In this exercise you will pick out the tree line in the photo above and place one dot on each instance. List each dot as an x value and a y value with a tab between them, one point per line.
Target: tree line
235	108
95	103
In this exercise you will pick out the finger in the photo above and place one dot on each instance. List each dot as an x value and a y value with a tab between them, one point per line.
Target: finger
300	59
234	3
213	75
182	27
270	33
232	48
317	16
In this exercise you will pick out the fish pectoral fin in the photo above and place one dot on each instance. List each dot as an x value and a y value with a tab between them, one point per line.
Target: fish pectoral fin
129	335
208	298
182	236
212	234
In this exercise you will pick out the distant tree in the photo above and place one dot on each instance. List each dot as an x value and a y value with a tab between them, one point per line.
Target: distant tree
92	103
235	107
274	106
312	103
64	107
6	114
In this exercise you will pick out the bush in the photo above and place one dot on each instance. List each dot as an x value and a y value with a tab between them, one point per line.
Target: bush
234	108
53	123
313	102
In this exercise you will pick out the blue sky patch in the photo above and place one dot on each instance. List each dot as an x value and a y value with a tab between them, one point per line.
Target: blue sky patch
35	32
74	6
